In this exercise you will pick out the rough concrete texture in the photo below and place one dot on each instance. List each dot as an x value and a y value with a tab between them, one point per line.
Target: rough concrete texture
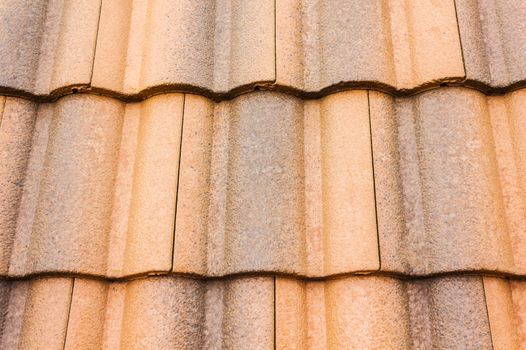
268	183
16	131
508	120
241	186
400	43
518	294
493	35
26	317
382	313
507	313
436	166
133	46
152	313
214	45
47	44
93	192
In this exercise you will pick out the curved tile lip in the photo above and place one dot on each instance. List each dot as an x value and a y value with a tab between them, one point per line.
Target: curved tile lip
263	86
274	274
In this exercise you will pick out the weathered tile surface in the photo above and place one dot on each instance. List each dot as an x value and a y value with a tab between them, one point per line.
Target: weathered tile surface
271	183
493	35
212	45
448	196
89	185
47	44
507	312
152	313
36	314
398	43
380	312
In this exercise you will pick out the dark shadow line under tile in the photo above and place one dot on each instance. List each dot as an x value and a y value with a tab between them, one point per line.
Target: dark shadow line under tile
263	86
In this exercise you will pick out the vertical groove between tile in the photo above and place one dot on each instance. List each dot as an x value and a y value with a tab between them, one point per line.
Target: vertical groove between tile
178	184
374	182
275	315
95	44
487	311
460	39
69	313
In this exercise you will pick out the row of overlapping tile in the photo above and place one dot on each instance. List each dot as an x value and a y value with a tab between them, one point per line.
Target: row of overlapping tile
355	182
360	312
215	47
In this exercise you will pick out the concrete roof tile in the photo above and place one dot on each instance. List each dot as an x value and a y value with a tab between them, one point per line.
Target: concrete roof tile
381	312
211	45
398	43
493	35
47	45
254	175
458	220
506	312
92	187
37	314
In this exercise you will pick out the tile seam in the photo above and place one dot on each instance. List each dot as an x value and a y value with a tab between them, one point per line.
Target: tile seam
95	44
178	183
275	315
2	107
261	86
69	313
275	42
234	276
374	182
460	41
487	310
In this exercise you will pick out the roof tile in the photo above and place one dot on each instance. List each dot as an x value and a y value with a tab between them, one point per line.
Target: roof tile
243	204
74	176
458	221
47	45
380	312
506	312
397	43
156	312
493	35
32	304
16	132
211	45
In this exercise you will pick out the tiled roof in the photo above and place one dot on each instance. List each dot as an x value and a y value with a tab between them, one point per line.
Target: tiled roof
136	48
176	312
269	174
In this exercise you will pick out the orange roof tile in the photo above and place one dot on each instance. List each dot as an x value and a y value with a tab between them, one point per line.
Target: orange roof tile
371	196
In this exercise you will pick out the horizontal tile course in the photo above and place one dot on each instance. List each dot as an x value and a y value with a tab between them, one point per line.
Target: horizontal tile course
175	312
397	43
379	312
157	312
219	48
267	183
